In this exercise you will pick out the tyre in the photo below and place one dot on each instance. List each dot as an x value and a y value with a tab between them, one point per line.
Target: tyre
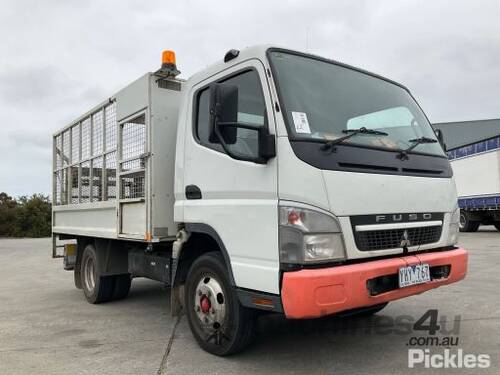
467	225
497	225
122	286
77	277
96	288
219	323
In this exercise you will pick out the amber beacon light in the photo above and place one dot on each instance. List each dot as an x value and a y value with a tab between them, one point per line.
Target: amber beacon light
168	57
168	65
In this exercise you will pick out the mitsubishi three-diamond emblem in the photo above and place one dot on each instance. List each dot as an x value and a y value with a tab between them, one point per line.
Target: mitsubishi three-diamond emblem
405	241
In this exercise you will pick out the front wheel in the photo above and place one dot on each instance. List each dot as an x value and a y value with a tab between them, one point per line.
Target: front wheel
219	323
466	224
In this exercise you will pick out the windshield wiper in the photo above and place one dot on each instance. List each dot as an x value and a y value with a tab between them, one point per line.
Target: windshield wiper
403	154
350	133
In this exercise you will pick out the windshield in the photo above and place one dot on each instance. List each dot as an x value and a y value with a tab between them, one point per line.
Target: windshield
322	100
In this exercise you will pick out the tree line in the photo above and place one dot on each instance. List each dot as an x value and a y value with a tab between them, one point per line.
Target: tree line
25	216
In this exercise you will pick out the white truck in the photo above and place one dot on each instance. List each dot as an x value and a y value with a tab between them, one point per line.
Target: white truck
477	173
272	181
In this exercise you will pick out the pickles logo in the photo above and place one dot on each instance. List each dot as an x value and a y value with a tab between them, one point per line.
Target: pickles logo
451	356
448	359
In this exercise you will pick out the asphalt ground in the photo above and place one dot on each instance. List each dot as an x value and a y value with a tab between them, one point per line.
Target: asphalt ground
47	327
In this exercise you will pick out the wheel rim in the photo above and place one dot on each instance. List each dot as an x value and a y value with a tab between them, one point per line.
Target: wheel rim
209	304
89	274
462	221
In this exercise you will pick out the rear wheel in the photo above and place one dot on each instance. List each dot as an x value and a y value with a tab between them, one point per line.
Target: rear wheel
96	288
497	225
122	286
219	323
466	224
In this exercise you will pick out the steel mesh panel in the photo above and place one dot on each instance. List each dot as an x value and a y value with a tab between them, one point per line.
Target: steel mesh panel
74	184
58	151
75	143
85	182
134	138
66	141
58	187
110	162
86	139
133	165
391	239
97	133
132	186
64	186
111	126
97	165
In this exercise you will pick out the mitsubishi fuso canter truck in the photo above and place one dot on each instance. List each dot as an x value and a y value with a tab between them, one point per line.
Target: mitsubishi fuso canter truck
272	181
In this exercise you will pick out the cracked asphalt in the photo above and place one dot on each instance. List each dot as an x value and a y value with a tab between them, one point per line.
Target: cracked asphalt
47	327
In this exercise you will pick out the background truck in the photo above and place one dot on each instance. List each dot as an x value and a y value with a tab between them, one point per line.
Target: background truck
476	168
272	181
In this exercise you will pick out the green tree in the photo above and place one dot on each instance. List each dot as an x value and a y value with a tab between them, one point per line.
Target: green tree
8	214
25	216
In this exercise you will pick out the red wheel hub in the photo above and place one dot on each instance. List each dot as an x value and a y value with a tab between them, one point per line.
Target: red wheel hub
205	304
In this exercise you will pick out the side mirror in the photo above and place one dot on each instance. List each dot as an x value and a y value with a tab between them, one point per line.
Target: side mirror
223	111
224	125
440	137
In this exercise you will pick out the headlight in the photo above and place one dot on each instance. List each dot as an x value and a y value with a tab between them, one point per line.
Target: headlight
453	229
308	236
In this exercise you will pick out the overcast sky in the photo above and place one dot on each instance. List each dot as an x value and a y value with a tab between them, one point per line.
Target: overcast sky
59	58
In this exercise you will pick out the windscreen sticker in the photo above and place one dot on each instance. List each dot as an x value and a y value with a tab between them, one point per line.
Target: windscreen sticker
301	123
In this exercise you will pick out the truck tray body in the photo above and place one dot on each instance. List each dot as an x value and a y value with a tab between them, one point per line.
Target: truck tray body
113	167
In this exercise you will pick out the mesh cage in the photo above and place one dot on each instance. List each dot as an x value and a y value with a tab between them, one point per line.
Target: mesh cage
75	191
111	126
61	188
58	151
85	182
66	141
80	153
132	186
110	177
134	138
133	156
97	165
58	187
86	139
97	134
64	186
132	165
75	143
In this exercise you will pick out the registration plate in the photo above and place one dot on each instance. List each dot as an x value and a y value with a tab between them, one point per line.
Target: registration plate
413	275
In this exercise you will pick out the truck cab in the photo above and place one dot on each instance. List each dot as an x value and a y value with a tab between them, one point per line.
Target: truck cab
302	186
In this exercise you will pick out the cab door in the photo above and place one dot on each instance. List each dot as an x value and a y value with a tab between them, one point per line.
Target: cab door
238	199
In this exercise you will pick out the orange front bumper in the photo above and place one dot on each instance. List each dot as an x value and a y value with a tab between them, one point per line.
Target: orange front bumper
312	293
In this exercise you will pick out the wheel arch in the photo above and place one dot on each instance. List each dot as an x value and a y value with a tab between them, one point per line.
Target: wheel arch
202	239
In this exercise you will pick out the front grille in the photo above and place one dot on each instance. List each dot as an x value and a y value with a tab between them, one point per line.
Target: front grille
391	238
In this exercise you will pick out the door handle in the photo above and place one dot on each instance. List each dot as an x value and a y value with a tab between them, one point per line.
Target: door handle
193	192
